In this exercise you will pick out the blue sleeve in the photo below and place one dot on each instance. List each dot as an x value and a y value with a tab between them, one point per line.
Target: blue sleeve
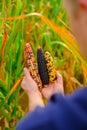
61	113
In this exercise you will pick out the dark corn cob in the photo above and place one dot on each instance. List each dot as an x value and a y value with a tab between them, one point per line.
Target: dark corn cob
50	66
42	67
31	65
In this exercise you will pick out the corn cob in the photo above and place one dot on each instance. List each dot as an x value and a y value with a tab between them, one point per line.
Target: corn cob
31	65
42	67
50	66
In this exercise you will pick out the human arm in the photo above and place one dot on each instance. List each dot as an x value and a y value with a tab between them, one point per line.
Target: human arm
61	113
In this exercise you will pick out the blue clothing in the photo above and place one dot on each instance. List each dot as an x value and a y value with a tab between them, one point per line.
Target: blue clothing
61	113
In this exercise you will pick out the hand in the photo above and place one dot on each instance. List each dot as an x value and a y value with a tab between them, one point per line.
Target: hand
31	88
28	84
52	88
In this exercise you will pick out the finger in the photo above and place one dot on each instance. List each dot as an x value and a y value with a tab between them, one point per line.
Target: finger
26	72
47	92
23	82
59	77
44	92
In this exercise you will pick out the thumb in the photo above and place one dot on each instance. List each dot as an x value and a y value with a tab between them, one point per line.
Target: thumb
59	77
26	72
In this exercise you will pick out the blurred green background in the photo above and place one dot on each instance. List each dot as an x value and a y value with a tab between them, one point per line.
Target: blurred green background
40	23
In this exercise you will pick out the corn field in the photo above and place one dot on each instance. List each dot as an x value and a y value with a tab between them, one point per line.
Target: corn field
43	24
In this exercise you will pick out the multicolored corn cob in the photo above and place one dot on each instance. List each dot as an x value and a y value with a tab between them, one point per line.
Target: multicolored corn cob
31	64
50	66
42	67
